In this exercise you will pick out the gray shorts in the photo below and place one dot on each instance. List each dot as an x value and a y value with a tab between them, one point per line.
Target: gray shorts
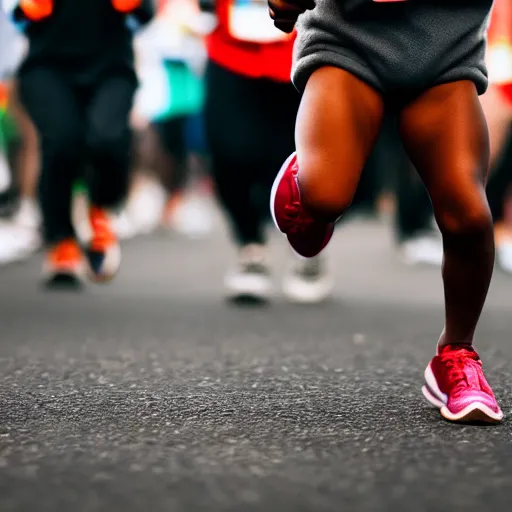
396	47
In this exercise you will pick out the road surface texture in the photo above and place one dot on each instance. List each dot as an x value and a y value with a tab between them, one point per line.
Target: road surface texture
152	394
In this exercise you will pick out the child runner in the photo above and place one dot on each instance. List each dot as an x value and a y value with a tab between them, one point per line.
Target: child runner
424	61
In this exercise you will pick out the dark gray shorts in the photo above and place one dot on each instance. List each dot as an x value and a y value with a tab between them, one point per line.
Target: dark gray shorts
396	47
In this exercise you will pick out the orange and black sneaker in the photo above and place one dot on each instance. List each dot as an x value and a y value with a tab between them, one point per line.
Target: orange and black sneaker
103	252
64	265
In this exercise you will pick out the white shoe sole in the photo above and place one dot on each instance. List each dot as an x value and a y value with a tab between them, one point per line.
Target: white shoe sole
273	194
300	291
275	186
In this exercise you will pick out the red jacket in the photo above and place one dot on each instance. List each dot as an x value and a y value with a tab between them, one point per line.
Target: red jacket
234	46
500	28
499	51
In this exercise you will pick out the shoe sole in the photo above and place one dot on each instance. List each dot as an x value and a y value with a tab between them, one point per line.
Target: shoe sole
275	186
247	300
273	193
477	412
64	280
300	292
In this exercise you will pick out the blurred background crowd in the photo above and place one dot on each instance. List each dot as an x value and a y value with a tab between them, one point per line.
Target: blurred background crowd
212	121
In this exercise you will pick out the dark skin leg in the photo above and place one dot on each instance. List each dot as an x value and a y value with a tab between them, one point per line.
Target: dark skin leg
334	135
445	134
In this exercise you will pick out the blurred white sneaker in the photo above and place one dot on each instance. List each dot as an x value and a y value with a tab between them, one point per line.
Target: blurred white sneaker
145	206
308	281
17	243
124	226
422	250
8	249
5	174
28	214
250	278
504	255
503	238
190	216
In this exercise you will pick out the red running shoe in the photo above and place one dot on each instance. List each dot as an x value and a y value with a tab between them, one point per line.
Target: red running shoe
64	265
307	236
456	384
103	252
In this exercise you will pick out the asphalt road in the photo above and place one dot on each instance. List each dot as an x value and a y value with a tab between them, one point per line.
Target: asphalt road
152	394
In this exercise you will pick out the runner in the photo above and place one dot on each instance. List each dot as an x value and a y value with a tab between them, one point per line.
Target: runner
250	113
423	61
77	83
497	105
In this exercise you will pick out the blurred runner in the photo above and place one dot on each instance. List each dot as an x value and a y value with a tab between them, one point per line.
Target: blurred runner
10	55
77	83
5	171
251	107
18	236
497	105
168	109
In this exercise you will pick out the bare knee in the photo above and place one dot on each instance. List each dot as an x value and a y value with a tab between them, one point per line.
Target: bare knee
322	193
464	213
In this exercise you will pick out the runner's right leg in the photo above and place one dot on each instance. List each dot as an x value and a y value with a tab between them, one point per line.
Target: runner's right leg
334	135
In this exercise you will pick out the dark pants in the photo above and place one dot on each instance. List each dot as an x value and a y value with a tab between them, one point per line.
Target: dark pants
250	132
79	128
172	167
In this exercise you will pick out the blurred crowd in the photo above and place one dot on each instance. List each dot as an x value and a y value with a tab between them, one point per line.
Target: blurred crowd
213	119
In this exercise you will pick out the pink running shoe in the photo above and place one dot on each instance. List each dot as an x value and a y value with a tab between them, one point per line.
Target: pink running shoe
456	384
307	236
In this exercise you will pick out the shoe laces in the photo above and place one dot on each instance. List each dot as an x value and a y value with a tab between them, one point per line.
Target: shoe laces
464	366
298	222
103	235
